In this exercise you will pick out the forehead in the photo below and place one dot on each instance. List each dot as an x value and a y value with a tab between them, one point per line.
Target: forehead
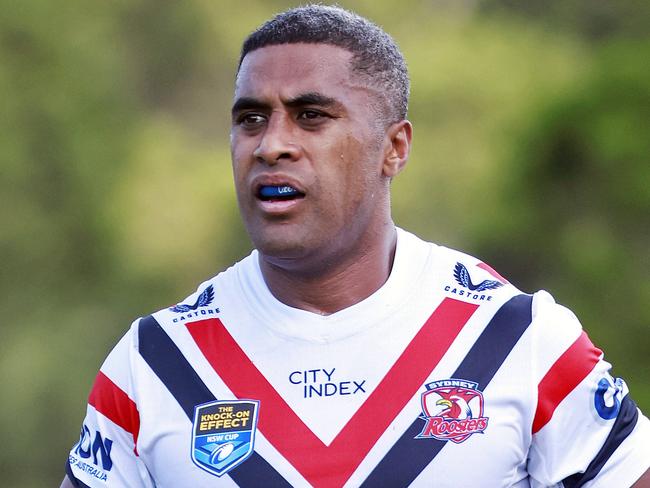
287	70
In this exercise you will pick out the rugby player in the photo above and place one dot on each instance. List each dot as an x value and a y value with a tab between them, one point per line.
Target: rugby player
345	351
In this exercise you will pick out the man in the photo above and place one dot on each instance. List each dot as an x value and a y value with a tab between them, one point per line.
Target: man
344	351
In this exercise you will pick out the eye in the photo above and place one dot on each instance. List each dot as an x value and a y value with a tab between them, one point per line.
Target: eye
311	119
251	120
310	115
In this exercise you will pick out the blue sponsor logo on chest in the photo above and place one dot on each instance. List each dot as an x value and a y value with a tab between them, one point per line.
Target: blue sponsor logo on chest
320	382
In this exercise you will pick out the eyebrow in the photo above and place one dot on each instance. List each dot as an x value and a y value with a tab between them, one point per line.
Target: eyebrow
310	98
247	103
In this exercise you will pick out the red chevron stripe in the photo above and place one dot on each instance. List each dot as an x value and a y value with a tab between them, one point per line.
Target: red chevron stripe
564	376
492	271
331	466
113	403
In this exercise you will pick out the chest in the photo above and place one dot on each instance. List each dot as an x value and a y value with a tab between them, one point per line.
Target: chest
331	417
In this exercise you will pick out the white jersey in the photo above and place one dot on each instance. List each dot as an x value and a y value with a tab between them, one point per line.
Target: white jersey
447	376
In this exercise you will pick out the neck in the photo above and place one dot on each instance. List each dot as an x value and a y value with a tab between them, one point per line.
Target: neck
328	285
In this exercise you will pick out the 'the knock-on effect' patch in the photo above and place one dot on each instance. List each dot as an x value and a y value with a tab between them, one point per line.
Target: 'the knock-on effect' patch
223	434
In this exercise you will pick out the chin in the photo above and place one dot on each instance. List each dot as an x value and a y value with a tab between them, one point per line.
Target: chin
280	245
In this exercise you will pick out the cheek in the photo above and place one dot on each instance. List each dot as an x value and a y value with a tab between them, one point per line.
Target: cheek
241	147
347	182
360	165
240	158
240	181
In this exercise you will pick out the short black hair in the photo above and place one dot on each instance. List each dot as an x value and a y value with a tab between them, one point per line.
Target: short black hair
375	56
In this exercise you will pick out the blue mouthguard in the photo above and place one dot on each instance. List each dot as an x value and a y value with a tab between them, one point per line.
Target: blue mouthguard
278	191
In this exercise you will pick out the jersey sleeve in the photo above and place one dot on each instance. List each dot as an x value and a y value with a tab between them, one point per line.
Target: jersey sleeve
106	454
586	431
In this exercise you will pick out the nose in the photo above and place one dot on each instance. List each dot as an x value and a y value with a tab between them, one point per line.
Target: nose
276	144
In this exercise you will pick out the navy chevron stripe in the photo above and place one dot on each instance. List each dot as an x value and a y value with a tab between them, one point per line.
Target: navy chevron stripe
185	385
623	426
169	364
409	456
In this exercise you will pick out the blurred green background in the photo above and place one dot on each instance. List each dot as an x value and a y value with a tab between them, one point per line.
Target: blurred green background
532	148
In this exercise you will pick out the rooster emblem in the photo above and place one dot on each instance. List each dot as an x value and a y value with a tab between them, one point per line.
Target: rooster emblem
452	410
457	403
204	299
462	277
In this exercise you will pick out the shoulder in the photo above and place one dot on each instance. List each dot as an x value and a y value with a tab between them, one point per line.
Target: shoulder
468	278
551	329
209	296
558	334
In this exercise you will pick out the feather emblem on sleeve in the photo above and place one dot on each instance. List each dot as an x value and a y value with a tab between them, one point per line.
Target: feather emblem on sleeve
462	277
205	298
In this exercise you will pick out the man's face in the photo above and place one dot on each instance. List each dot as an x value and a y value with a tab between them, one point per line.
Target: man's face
307	150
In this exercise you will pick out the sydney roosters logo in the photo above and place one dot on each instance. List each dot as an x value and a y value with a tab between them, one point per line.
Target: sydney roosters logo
452	410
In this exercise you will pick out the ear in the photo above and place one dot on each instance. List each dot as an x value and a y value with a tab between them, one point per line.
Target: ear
398	147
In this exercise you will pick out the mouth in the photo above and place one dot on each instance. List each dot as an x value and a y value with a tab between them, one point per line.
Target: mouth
278	200
278	193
